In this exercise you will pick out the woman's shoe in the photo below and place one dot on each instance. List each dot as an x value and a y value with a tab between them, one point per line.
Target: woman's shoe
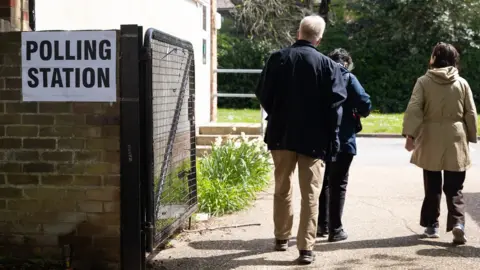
322	232
459	237
431	232
337	236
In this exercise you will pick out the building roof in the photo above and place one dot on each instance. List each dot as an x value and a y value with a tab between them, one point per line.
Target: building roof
225	4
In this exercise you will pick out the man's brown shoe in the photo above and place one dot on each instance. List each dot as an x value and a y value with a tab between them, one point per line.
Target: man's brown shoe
281	245
306	257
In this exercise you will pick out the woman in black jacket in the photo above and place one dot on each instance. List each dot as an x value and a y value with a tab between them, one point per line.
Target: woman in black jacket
332	197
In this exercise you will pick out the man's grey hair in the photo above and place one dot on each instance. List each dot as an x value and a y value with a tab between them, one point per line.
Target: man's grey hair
312	28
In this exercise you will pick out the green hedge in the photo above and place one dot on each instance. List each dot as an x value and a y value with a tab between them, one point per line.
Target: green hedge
387	69
239	53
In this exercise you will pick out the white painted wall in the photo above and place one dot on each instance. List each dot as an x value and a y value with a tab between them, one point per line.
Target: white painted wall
181	18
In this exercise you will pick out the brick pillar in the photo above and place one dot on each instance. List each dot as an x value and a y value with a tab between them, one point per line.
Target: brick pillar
14	15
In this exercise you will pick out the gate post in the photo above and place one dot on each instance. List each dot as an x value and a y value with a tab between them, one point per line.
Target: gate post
132	248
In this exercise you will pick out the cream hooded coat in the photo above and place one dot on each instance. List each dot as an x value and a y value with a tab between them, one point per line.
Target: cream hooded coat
442	117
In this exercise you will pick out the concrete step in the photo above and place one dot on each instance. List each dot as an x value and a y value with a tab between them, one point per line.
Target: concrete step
210	139
203	150
229	128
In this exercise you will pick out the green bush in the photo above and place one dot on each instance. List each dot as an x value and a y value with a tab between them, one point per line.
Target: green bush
229	177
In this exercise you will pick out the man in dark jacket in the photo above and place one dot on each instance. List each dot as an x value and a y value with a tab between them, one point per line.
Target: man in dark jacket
332	197
302	91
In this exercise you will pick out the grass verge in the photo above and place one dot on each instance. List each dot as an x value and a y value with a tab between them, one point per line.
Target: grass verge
375	123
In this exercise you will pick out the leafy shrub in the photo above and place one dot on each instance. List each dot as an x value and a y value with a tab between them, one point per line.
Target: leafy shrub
229	177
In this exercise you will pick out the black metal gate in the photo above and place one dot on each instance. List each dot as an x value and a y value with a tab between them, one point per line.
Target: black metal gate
171	191
158	177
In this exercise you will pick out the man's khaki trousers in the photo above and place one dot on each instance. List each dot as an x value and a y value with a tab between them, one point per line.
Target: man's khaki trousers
310	174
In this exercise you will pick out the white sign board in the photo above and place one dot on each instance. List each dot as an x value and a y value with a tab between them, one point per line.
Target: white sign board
69	66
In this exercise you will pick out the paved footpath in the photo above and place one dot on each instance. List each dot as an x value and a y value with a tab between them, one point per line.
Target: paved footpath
381	216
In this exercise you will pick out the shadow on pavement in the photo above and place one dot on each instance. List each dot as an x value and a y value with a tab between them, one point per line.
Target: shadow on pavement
379	261
472	201
236	255
404	241
461	251
442	249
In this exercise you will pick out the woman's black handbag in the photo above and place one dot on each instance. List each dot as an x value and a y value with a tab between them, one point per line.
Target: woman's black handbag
358	122
356	116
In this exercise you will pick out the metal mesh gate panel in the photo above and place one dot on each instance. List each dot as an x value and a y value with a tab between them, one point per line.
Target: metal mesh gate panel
170	123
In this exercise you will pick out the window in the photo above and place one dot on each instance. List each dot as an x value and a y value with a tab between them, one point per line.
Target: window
204	51
204	17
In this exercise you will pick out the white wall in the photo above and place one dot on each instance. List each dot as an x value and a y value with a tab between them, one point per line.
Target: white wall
181	18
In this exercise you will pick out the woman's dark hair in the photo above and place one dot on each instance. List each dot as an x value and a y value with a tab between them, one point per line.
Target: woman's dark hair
341	56
445	55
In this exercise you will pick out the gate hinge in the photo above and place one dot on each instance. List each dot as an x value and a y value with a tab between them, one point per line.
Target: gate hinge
149	230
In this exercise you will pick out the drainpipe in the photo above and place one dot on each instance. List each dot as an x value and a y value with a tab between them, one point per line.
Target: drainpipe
21	15
213	60
67	257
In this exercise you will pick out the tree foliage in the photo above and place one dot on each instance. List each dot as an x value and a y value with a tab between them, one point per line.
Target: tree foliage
416	23
390	40
274	20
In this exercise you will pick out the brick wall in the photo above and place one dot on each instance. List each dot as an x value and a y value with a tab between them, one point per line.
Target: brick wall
59	172
14	15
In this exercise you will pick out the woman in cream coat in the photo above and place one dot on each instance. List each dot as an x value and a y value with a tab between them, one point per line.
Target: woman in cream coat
439	123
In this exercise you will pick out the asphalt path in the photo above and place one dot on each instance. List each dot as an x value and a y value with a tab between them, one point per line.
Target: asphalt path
381	215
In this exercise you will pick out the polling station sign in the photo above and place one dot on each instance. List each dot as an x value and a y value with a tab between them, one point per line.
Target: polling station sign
69	66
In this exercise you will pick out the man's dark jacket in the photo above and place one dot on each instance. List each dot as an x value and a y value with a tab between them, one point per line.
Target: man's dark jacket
302	90
358	101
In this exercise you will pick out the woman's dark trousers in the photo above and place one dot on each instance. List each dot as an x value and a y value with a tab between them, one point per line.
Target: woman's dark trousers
452	187
332	197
